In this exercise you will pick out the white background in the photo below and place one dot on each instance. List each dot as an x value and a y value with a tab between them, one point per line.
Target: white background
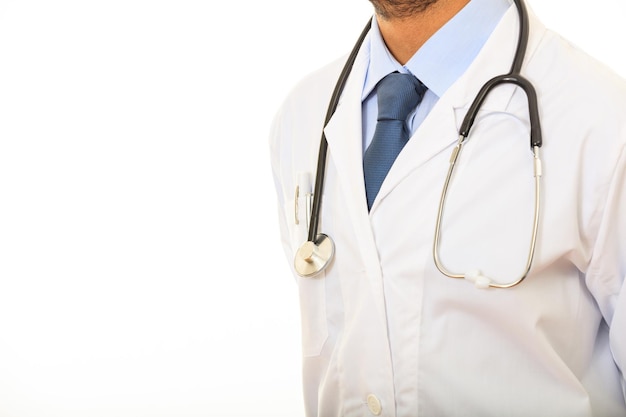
141	272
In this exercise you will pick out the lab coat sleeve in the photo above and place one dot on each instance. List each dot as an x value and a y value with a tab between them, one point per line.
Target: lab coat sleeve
618	335
607	271
277	154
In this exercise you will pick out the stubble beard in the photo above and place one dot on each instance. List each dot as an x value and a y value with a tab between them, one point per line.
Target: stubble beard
400	9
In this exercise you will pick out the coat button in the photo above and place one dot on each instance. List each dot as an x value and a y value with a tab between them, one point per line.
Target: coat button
373	403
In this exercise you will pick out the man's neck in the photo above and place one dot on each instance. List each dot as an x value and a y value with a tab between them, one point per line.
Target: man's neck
405	36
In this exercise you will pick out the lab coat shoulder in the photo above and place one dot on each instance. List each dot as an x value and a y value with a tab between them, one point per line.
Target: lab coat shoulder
305	101
583	104
583	107
570	83
303	108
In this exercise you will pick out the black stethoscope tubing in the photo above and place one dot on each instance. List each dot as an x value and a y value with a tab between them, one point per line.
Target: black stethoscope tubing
323	151
513	77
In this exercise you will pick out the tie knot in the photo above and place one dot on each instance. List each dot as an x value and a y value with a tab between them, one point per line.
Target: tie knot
398	94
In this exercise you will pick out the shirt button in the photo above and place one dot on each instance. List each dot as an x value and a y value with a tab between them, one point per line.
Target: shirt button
373	403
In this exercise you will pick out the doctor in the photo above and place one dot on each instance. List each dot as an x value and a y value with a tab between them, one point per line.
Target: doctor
385	333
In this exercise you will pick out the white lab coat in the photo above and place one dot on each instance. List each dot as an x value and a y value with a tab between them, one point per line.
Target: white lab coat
384	333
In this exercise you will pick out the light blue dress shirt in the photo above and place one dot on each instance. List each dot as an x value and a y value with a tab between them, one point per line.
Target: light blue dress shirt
437	64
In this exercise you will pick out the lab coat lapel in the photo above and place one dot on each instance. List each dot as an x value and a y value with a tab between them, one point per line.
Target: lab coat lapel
344	136
439	131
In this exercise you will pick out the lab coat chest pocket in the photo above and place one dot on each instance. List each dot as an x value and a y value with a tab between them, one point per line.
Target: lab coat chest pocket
312	291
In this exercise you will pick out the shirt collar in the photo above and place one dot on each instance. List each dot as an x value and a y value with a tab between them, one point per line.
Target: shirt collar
446	55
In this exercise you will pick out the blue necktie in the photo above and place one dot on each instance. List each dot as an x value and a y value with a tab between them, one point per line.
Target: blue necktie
398	94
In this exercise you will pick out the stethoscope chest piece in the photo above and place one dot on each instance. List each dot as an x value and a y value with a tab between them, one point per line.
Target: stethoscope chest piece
314	256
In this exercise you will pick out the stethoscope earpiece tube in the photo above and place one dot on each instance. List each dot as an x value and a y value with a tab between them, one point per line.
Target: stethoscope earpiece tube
513	77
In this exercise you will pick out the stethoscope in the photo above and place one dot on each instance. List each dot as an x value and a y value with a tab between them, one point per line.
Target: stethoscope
319	249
